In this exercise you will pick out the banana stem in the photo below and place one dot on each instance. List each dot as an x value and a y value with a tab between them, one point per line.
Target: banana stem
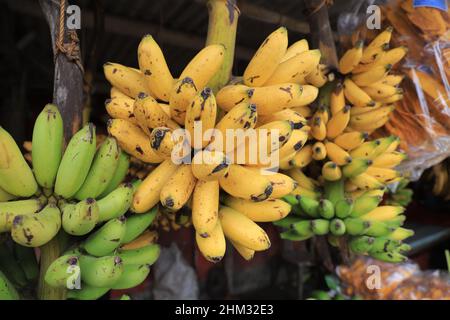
222	26
49	252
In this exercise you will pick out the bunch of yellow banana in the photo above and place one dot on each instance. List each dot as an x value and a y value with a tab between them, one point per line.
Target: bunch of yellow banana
369	87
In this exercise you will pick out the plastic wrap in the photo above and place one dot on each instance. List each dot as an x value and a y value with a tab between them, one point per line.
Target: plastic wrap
430	285
422	118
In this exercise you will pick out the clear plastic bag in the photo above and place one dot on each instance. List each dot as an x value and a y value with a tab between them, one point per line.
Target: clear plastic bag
429	285
422	118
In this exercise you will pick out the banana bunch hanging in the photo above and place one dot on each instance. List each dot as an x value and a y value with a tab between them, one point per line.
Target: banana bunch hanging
368	86
76	190
148	106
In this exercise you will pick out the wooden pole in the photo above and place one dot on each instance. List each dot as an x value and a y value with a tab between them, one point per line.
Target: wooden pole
68	96
222	26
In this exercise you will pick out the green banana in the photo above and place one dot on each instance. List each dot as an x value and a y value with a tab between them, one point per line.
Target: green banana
356	227
5	196
287	222
303	228
27	260
366	150
60	273
334	190
343	208
320	227
293	236
291	199
132	276
119	174
356	167
10	266
384	244
107	238
337	227
80	219
389	256
87	292
400	234
326	209
47	146
16	176
115	203
7	290
102	170
361	244
378	229
9	210
364	204
145	255
404	247
383	145
137	223
100	272
310	207
37	229
76	162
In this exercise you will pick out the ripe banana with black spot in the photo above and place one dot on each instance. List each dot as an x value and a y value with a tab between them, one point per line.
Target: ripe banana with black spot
178	189
121	108
213	246
265	211
357	96
129	81
351	58
209	165
205	207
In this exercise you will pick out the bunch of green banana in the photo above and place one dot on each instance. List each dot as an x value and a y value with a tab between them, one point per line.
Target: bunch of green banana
118	255
369	228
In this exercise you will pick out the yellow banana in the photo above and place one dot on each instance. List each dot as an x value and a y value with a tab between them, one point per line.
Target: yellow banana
322	113
365	181
209	165
393	146
296	118
121	108
165	107
240	229
285	163
379	91
282	184
389	159
212	247
318	76
331	171
303	192
296	141
377	45
303	180
369	118
148	193
383	175
383	213
305	111
372	75
245	253
319	151
318	129
295	69
149	114
132	140
265	211
127	80
267	58
230	96
201	114
394	98
274	98
357	96
391	57
204	65
295	49
337	99
181	96
360	110
337	154
391	80
351	58
338	123
116	93
146	238
350	140
372	126
161	142
154	68
178	189
303	157
205	207
244	183
400	234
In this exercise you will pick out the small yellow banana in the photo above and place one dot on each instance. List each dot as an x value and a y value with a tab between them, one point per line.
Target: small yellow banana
337	99
182	93
351	58
337	154
338	123
383	213
213	247
265	211
296	141
357	96
379	91
318	77
148	193
303	157
303	192
121	108
383	175
368	119
296	118
245	253
295	49
377	45
360	110
282	184
394	98
240	229
230	96
154	68
132	140
127	80
209	165
318	129
389	159
392	80
178	189
372	75
205	207
116	93
302	180
331	171
319	151
149	114
204	65
367	182
305	111
391	57
295	69
161	142
350	140
267	58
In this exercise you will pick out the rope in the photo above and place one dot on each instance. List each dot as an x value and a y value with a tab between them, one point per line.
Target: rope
71	49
